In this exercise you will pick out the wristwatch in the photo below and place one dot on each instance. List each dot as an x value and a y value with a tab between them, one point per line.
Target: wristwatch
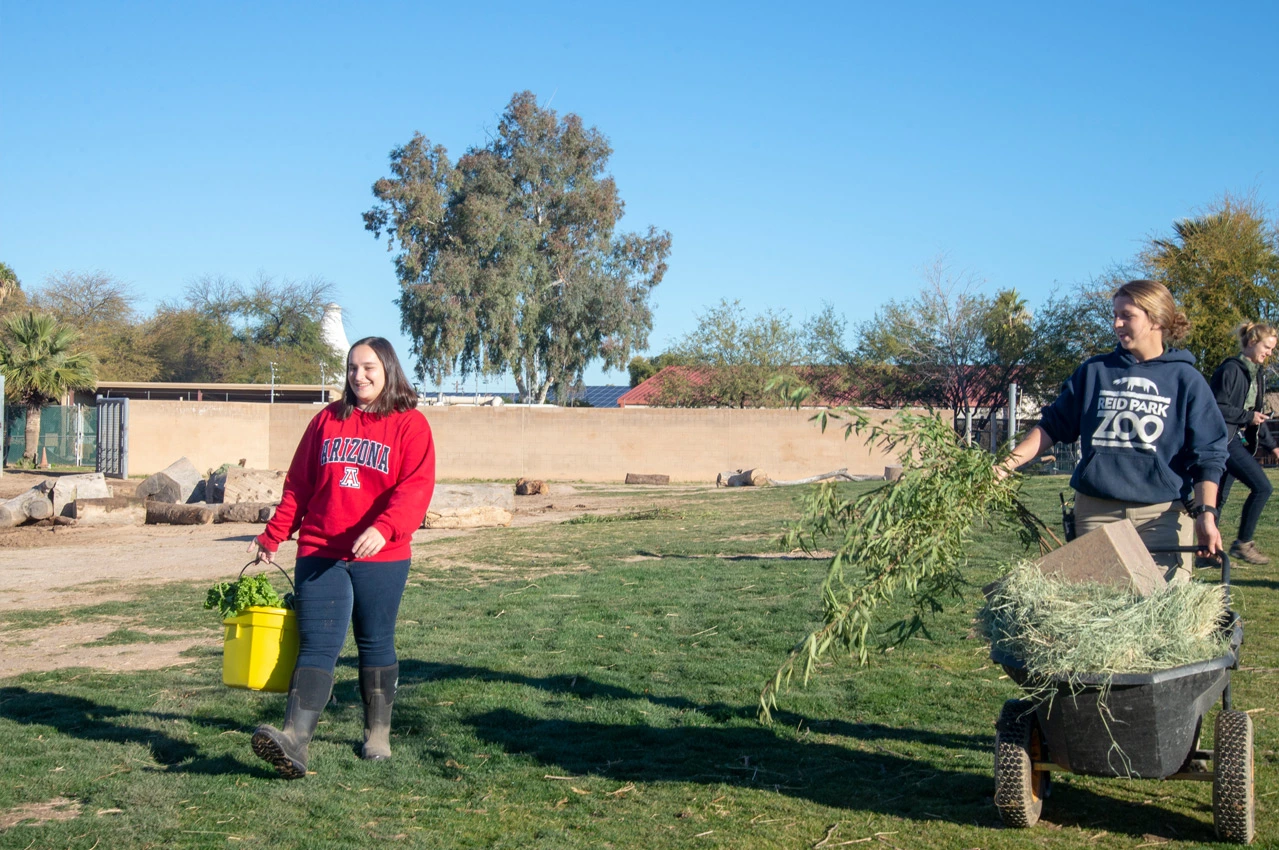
1199	510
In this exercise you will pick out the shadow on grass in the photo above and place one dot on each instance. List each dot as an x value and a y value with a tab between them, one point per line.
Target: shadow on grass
828	774
864	774
584	688
1260	583
77	717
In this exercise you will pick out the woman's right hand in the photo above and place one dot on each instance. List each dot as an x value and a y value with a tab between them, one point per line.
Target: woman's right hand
260	552
1258	418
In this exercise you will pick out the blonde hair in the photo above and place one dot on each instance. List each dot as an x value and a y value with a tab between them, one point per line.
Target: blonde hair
1154	299
1251	333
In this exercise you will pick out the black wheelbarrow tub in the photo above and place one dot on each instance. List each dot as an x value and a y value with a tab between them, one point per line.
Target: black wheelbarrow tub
1129	724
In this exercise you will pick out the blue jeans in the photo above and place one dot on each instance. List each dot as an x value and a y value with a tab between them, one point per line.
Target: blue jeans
1242	465
333	593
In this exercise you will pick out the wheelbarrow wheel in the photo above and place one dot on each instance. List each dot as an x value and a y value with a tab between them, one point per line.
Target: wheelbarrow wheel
1019	788
1233	803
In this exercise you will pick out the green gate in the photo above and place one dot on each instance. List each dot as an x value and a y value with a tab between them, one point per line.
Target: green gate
68	434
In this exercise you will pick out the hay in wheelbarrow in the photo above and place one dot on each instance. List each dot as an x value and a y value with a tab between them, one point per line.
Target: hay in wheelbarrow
1060	628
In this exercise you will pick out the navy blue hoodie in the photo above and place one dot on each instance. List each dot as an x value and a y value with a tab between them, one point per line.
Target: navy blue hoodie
1147	431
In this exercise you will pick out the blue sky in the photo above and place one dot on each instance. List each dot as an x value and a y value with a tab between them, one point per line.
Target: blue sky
798	153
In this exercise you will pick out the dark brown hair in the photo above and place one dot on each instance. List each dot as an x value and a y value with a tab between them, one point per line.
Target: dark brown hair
1153	298
397	395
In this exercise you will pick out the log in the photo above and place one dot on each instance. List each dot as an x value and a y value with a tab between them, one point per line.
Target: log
742	478
31	505
172	485
252	485
841	474
163	513
116	510
243	512
892	473
485	516
68	488
645	478
524	487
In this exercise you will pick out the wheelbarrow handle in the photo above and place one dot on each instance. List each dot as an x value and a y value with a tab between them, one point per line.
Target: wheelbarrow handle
1223	554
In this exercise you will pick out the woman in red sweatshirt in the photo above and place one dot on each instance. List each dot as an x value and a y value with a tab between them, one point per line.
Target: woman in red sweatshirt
358	487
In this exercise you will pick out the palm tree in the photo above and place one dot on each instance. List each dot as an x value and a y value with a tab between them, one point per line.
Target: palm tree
40	366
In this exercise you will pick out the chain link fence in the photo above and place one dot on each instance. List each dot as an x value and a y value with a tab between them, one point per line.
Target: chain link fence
68	435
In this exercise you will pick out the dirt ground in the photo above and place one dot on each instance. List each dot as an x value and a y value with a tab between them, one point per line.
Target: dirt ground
62	567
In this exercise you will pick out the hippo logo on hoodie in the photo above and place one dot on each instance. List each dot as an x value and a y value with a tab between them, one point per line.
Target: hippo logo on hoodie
1132	415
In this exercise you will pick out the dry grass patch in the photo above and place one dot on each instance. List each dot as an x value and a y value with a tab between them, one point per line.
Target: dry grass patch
34	814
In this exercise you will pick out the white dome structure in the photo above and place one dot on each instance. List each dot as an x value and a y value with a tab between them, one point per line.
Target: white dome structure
332	333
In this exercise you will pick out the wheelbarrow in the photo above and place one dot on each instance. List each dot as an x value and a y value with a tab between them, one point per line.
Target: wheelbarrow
1142	725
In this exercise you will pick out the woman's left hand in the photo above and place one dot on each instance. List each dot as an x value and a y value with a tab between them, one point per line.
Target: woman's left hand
1207	534
371	542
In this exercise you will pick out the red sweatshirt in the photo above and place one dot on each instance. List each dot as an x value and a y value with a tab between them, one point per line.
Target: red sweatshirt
348	475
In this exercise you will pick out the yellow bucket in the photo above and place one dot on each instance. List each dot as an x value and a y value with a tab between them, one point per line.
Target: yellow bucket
260	649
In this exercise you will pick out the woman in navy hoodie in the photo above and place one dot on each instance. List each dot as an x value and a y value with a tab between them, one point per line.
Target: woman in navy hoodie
1153	443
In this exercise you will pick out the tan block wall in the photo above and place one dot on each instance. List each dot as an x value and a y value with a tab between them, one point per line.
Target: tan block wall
208	433
575	444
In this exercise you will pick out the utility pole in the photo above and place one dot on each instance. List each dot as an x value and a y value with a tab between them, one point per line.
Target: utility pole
272	382
1013	402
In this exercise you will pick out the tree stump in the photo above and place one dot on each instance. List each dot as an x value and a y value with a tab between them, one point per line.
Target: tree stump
173	485
244	512
252	485
645	478
742	478
524	487
116	510
31	505
68	488
163	513
485	516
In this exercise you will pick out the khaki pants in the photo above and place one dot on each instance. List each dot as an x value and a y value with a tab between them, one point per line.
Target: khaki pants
1161	526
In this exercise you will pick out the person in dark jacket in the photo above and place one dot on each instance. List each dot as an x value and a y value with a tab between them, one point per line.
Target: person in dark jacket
1240	389
1149	430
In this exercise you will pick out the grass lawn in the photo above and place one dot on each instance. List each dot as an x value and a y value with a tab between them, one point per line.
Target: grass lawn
594	684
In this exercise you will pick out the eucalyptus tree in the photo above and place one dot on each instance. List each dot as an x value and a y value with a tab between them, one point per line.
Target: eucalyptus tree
509	260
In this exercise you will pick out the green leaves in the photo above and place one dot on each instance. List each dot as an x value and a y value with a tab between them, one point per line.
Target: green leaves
509	260
230	598
905	539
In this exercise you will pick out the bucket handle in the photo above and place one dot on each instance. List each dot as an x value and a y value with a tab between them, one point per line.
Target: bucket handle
277	566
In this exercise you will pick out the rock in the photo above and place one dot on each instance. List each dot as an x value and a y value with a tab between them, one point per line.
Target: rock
484	516
252	485
449	499
892	473
1113	554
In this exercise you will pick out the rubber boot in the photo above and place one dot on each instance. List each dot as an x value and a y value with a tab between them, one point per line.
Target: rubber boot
377	687
286	748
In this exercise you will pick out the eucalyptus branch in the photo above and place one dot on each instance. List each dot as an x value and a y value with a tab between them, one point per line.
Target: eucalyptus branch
905	538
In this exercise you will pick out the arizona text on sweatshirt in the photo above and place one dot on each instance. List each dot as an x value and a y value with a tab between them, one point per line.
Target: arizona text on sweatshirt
1147	430
349	475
